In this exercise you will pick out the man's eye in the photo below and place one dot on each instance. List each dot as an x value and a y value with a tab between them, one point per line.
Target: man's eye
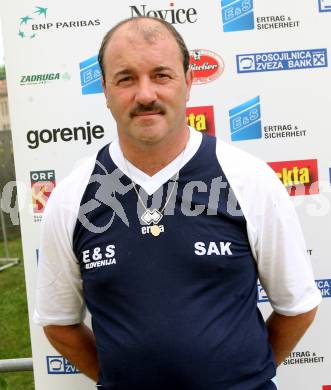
162	76
125	80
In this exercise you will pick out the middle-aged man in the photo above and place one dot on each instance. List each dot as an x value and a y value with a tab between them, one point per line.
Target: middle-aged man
163	235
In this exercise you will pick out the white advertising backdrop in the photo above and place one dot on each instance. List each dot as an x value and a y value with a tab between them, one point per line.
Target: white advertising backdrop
267	63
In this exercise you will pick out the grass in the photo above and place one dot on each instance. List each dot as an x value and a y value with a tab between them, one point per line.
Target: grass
14	328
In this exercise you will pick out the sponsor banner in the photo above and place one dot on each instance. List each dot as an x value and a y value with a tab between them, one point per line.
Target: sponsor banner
300	177
43	78
171	15
90	76
237	15
85	133
324	6
60	365
201	119
276	22
245	120
42	184
37	21
324	285
303	357
282	60
206	66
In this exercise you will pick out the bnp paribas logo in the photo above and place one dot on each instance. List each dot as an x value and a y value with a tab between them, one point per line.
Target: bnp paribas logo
237	15
26	22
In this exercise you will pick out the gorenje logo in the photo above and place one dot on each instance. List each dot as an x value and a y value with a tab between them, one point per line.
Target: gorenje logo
300	177
201	119
42	184
172	15
66	134
245	120
90	76
324	6
237	15
34	79
38	21
60	365
205	65
282	60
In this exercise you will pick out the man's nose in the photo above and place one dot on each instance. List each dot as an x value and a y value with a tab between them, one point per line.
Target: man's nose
146	91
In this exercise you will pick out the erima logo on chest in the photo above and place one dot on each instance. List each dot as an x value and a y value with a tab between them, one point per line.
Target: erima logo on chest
212	248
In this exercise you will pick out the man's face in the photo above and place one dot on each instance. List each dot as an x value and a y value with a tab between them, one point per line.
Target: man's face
145	85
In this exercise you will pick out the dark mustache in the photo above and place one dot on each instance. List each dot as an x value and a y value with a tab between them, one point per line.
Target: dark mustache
140	108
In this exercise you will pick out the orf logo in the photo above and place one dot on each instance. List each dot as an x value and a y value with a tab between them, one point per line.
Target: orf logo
206	66
245	120
90	76
201	119
42	184
300	177
237	15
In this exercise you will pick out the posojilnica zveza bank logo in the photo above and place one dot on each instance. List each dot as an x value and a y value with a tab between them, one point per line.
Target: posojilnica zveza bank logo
324	6
282	60
300	177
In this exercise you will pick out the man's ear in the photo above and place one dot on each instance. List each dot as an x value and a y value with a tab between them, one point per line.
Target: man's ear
105	92
189	82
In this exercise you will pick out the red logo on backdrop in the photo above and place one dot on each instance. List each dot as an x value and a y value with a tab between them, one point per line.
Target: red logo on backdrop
201	119
206	66
300	177
42	184
326	387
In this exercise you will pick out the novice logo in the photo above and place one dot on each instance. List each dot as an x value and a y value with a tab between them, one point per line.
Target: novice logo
201	119
206	65
324	6
300	177
60	365
42	184
282	60
237	15
90	76
245	120
171	15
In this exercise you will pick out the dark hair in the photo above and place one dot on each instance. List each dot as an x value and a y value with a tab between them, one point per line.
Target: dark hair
179	39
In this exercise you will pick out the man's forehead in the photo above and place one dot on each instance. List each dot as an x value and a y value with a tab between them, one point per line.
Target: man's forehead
144	31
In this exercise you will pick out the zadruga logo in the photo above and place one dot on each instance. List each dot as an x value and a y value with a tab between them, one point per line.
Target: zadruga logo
237	15
43	78
60	365
86	133
300	177
201	119
37	20
42	184
171	15
206	66
90	76
282	60
245	120
324	6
